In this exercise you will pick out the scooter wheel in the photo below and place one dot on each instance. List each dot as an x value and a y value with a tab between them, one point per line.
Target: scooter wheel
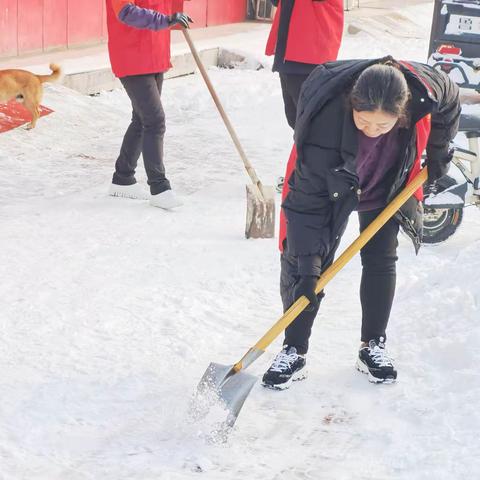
440	223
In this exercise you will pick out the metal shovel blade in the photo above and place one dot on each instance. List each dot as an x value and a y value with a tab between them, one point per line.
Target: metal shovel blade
260	212
222	384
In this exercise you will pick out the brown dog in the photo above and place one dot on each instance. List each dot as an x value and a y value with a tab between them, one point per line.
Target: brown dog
26	87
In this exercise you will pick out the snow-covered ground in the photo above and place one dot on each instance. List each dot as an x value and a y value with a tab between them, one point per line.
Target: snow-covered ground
111	310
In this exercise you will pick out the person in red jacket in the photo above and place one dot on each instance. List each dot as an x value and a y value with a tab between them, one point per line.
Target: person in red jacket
304	34
139	48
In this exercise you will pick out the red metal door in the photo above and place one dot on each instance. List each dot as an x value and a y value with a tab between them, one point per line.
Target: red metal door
197	9
8	28
104	21
85	21
30	25
226	11
35	25
55	18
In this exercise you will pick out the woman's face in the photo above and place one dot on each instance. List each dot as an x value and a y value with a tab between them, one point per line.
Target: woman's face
373	124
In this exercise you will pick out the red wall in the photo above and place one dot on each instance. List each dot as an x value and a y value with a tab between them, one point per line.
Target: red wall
39	25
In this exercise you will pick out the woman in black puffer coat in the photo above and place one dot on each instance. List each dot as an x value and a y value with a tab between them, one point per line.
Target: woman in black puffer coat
361	129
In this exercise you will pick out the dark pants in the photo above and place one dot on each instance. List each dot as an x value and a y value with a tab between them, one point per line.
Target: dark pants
377	288
144	134
291	85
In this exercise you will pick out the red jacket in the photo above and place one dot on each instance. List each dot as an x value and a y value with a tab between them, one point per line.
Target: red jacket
315	31
136	51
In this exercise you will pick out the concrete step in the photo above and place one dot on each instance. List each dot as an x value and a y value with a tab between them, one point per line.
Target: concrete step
92	81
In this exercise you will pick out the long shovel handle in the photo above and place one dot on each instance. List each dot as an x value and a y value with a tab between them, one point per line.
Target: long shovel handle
294	311
248	166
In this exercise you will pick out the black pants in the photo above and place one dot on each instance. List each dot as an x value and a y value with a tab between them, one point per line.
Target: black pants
291	85
377	288
144	134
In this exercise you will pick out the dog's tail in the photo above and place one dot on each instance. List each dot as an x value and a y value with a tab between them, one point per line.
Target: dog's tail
54	76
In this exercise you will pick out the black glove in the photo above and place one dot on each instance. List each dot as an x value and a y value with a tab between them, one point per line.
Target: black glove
439	167
179	18
306	286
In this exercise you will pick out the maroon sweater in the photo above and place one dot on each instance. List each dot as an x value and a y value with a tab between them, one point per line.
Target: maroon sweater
376	157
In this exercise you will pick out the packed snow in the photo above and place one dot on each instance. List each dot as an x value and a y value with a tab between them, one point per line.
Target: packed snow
111	310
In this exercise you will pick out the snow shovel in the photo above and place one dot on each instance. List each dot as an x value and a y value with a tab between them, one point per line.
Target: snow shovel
260	198
230	385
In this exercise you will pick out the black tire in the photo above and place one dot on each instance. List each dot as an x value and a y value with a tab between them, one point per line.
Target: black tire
441	223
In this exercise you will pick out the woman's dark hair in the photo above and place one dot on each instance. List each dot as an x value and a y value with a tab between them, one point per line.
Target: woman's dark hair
381	87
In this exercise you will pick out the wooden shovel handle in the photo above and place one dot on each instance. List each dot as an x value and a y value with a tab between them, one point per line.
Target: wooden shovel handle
248	166
294	311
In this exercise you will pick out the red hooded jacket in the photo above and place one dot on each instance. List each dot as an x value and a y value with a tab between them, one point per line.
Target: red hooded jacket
315	31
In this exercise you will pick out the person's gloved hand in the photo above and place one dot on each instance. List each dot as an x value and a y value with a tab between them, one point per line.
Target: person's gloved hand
306	286
179	18
438	168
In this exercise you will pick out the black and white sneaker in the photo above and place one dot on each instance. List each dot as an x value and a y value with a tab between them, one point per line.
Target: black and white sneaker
375	362
287	367
280	182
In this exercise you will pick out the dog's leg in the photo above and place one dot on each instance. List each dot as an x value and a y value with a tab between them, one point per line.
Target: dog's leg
32	98
35	112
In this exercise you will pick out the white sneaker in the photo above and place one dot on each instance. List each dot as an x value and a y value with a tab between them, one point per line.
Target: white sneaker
166	200
128	191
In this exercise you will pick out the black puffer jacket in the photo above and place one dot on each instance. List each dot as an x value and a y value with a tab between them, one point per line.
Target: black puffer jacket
324	185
